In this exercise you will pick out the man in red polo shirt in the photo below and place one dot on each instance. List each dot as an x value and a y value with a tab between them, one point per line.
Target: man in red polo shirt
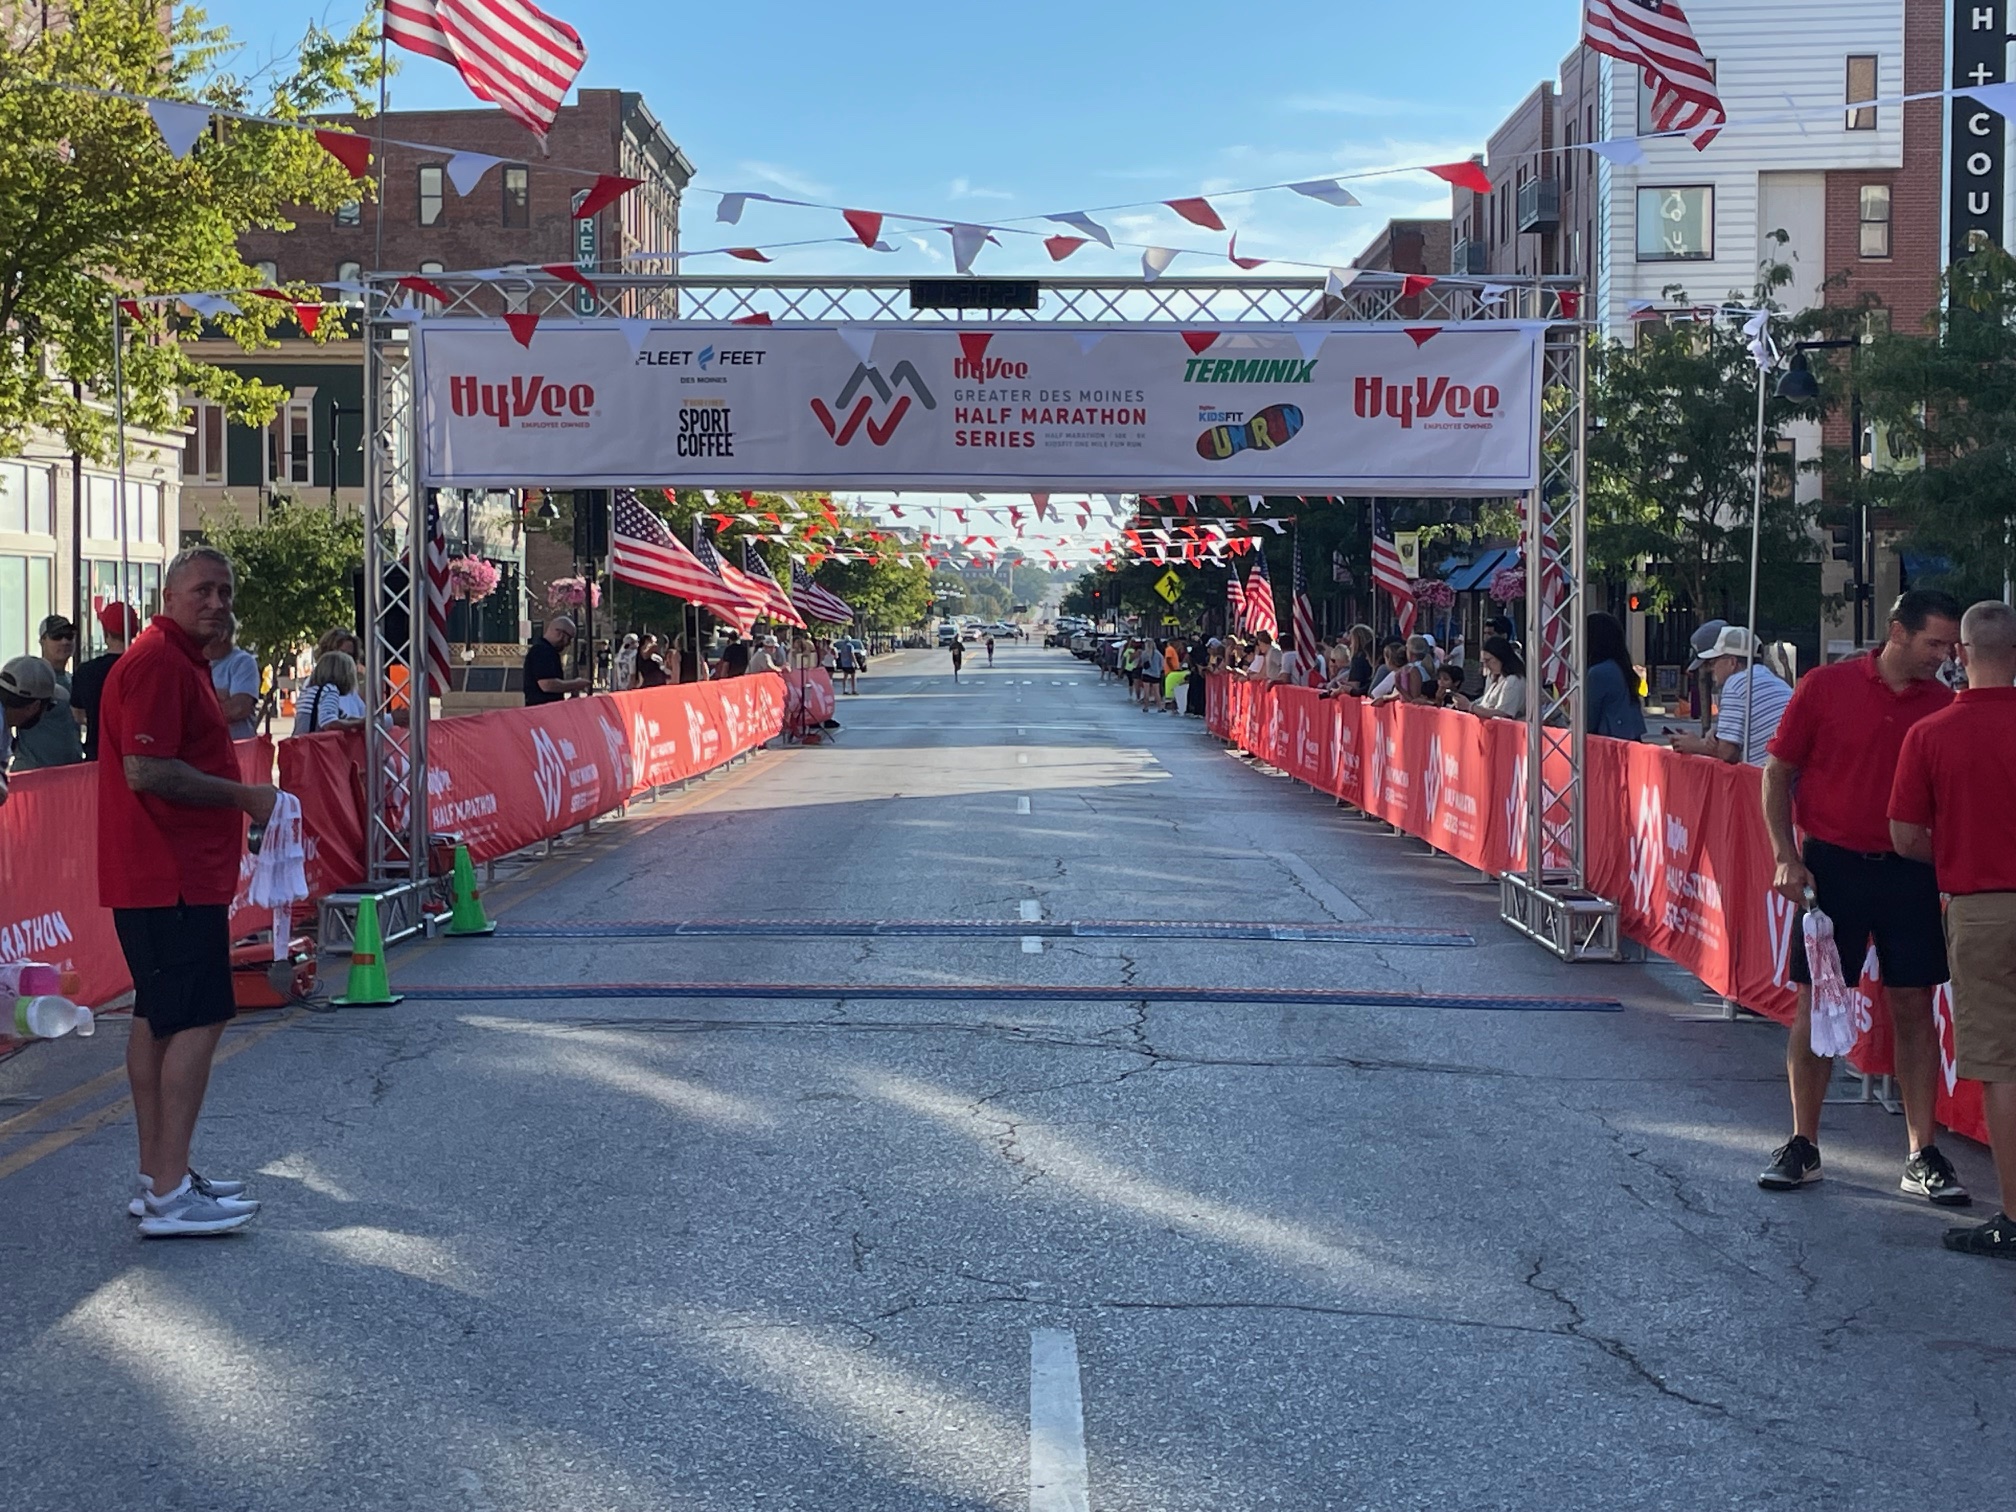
1835	758
1951	806
171	829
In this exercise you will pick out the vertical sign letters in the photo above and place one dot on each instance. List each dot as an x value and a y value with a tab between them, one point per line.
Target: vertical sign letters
1975	150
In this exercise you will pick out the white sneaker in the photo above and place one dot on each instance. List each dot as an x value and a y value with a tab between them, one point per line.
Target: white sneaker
230	1193
186	1212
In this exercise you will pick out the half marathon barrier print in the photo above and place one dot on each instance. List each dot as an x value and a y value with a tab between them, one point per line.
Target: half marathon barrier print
1450	409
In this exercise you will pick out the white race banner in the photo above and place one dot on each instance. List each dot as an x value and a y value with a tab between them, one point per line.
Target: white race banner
1448	409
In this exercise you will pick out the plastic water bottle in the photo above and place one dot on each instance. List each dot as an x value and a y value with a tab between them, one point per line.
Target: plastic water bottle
50	1017
28	979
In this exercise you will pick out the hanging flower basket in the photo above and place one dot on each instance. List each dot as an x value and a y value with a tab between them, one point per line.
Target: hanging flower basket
1508	585
572	593
471	578
1433	594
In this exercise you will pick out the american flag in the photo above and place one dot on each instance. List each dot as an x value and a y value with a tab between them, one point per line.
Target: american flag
436	571
1235	602
776	602
1302	614
508	52
827	607
749	606
645	554
1387	572
1260	598
1654	35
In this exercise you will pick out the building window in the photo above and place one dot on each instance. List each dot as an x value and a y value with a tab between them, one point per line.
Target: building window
267	272
427	301
517	195
24	603
101	507
142	590
203	453
290	441
1647	126
1861	87
350	213
27	505
430	194
1677	224
1875	220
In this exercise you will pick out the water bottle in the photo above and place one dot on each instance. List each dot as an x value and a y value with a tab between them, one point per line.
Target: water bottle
28	979
50	1017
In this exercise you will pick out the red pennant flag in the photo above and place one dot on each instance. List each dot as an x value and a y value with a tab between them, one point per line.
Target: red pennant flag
867	224
1061	247
522	326
278	294
1198	212
307	316
130	308
747	254
604	192
1415	283
721	521
1197	341
426	287
1248	263
1571	304
568	273
897	510
973	347
1422	335
1463	176
348	148
758	319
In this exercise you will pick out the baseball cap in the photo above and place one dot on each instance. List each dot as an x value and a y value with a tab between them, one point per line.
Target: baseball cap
119	620
57	627
1702	639
28	677
1732	640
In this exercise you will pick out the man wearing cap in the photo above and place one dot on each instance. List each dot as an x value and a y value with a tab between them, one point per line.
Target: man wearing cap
87	688
546	680
27	693
764	657
1701	694
1836	749
171	832
1753	700
1950	806
53	740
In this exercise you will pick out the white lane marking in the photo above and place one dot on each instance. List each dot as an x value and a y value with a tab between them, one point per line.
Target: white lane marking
1021	805
1021	758
1056	1424
1031	909
1032	945
1021	730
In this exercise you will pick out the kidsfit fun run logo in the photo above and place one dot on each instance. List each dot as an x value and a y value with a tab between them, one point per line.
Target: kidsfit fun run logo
842	430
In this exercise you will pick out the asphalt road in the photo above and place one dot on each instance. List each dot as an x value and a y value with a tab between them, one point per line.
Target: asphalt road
583	1253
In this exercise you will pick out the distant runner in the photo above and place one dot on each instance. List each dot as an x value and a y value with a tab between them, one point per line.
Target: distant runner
958	656
990	650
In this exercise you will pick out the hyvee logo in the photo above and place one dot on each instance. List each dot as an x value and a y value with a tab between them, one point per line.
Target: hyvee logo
1423	399
987	369
531	401
1253	370
879	431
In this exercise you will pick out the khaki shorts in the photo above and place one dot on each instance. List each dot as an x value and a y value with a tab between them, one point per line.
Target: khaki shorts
1981	948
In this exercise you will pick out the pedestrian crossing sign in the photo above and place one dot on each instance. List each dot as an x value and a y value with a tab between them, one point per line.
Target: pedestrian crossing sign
1170	586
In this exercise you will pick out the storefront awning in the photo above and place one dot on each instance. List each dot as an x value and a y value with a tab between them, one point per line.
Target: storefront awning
1476	577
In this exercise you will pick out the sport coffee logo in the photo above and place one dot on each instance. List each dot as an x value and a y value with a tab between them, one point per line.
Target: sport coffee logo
1421	400
1274	426
704	429
879	432
530	403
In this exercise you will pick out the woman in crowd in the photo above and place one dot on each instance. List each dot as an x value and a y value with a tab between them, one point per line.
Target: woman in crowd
1448	686
1612	688
1352	671
651	664
1401	679
1504	695
1421	652
623	668
331	700
734	660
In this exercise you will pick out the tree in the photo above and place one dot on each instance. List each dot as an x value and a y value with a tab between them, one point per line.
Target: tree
1947	402
293	572
92	202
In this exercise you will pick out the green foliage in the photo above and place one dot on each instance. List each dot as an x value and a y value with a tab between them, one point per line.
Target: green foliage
293	574
92	203
1949	402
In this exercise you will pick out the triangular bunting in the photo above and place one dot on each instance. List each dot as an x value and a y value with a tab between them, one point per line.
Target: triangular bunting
973	347
1155	262
762	318
1311	342
1337	280
1416	283
181	124
966	244
1088	340
1249	263
308	317
568	273
1198	212
426	288
604	192
1061	247
861	342
522	323
1464	176
634	332
466	169
348	148
747	254
1078	220
1422	335
1622	153
866	224
1571	304
1199	341
1327	190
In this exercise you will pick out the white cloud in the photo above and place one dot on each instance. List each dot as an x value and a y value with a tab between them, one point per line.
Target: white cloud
924	246
965	189
790	181
1352	103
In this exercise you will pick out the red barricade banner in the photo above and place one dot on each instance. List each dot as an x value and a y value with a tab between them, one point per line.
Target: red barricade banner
1678	841
808	698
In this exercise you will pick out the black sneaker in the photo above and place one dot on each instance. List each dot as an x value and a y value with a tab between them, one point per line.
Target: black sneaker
1931	1175
1996	1237
1796	1163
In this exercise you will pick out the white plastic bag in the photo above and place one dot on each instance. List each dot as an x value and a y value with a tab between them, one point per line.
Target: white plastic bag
1840	1011
279	876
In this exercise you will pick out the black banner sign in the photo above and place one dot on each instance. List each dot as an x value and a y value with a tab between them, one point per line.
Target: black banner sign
1975	149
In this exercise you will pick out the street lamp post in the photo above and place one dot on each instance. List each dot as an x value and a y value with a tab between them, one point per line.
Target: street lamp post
1799	385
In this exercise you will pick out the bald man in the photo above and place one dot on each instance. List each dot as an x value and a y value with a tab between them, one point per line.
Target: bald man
1954	805
546	680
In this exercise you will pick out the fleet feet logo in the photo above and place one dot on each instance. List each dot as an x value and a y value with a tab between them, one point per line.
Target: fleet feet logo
1274	426
549	772
849	413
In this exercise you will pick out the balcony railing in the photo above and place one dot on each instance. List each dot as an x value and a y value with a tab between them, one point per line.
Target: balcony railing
1470	257
1540	207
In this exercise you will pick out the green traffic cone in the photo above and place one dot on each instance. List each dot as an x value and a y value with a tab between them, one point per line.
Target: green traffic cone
468	917
367	985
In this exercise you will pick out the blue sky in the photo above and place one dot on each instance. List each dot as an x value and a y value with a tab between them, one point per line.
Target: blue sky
996	112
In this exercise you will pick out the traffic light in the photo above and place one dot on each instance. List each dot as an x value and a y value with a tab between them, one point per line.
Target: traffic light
1844	542
1637	602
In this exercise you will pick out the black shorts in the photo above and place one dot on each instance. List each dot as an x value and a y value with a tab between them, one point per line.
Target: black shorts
180	958
1889	897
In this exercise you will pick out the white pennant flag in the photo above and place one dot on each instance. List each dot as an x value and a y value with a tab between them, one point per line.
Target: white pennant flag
634	332
1758	329
466	169
729	211
2000	98
208	305
1155	262
861	342
966	244
1311	342
1622	153
1089	339
1078	220
179	123
1255	503
1493	293
1337	280
1327	190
